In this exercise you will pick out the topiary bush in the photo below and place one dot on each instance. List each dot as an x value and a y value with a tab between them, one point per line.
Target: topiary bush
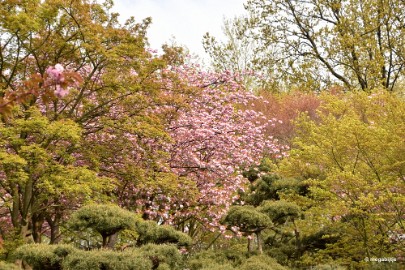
151	232
209	259
280	211
104	219
247	218
106	260
160	255
261	262
43	256
8	266
217	266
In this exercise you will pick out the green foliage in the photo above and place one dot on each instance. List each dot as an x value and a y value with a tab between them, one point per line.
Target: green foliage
40	171
247	218
262	189
261	262
106	260
328	267
266	184
353	161
316	44
223	259
262	181
163	266
9	245
55	153
280	211
105	219
321	239
283	241
320	43
102	218
150	232
269	194
8	266
336	198
55	257
147	257
240	53
43	256
218	266
167	255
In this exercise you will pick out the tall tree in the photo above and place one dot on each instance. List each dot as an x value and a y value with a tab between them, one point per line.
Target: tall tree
241	53
353	162
213	137
318	43
59	143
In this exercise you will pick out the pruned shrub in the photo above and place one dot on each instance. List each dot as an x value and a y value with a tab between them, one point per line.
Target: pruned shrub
43	256
106	260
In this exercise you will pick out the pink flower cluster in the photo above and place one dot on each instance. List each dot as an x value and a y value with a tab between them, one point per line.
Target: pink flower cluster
55	73
214	138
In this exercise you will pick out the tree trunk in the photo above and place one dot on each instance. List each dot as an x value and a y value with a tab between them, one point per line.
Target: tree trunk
26	212
250	245
55	235
259	243
26	231
15	212
37	222
104	241
112	239
54	225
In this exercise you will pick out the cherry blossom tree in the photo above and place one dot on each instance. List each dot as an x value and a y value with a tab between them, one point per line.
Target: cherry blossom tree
214	136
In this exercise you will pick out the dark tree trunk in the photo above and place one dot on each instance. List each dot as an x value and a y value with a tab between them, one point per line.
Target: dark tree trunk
259	243
105	240
37	222
250	245
112	239
55	228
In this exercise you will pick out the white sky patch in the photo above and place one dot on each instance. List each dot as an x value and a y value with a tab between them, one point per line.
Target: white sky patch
184	21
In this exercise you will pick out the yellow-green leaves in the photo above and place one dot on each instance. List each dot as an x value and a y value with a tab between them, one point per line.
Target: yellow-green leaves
319	43
73	183
353	159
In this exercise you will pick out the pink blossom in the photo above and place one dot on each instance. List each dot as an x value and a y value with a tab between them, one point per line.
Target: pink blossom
56	73
60	91
57	78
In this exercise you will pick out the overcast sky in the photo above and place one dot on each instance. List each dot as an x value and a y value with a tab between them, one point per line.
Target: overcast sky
185	20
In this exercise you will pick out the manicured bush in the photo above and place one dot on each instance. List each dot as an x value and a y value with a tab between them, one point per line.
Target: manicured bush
43	256
261	262
210	259
280	211
151	232
218	267
106	260
8	266
104	219
162	255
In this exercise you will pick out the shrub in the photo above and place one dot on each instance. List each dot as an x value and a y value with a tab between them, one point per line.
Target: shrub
161	255
43	256
261	262
8	266
225	259
150	232
106	260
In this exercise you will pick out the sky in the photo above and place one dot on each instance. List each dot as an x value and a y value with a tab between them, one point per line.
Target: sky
184	21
